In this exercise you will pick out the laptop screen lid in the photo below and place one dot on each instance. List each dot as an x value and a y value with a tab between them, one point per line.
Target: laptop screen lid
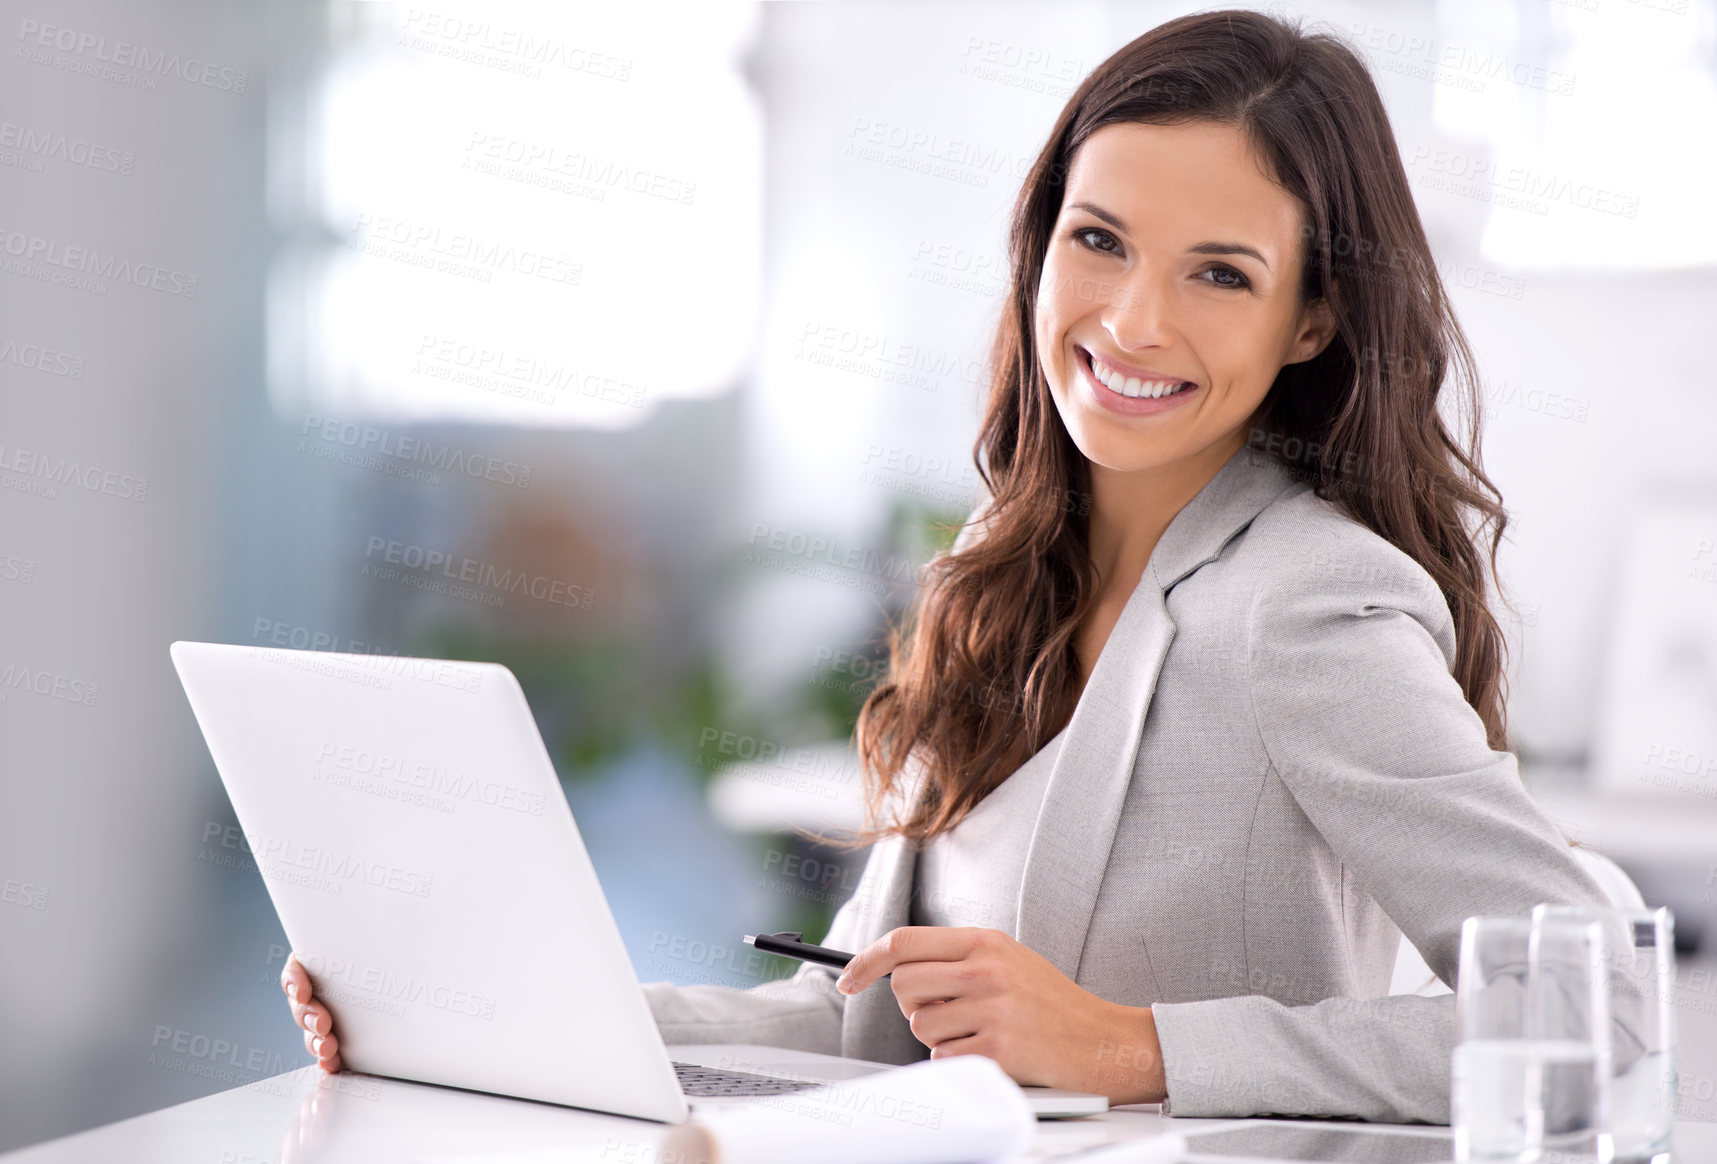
415	841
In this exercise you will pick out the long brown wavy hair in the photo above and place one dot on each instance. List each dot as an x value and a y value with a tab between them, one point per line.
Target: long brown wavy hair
983	671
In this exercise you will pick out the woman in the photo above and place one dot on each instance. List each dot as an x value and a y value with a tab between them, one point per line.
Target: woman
1205	709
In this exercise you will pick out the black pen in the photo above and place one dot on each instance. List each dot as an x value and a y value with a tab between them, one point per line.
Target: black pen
791	944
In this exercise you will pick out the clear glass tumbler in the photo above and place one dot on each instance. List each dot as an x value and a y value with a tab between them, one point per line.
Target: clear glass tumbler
1568	1029
1488	1104
1638	958
1530	1071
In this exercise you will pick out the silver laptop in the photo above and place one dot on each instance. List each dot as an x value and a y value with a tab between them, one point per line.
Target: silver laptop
416	844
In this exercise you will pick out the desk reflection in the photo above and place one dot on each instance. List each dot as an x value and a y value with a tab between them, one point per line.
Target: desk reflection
351	1117
1337	1144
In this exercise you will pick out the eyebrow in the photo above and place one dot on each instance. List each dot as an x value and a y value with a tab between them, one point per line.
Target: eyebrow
1203	248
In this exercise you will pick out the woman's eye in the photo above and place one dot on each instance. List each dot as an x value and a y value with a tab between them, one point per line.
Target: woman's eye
1087	234
1231	277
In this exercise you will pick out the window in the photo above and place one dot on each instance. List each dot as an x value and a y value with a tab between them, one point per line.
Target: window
533	214
1597	117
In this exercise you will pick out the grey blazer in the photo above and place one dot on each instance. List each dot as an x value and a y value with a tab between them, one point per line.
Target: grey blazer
1270	776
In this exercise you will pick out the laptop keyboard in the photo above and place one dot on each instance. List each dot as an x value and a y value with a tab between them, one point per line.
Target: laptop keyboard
711	1081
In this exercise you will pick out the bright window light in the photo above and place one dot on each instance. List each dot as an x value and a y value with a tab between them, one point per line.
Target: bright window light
532	214
1598	120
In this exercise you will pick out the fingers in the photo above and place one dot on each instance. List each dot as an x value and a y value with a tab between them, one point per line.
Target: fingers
326	1049
317	1020
318	1024
295	981
918	983
907	944
940	1022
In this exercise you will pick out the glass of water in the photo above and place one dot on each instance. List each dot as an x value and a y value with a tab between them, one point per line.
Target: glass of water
1488	1105
1568	1027
1638	959
1530	1072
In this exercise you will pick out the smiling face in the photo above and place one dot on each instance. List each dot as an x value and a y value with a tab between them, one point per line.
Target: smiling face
1175	262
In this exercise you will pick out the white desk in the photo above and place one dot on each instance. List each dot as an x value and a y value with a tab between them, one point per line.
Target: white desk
303	1116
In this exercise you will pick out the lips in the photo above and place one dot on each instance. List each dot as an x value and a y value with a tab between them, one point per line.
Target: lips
1133	383
1174	396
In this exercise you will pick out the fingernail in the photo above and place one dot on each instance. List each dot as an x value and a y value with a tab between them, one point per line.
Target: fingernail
316	1048
310	1021
292	991
845	984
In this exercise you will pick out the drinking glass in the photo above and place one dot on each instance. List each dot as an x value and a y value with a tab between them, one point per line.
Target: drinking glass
1638	959
1530	1071
1488	1105
1568	1029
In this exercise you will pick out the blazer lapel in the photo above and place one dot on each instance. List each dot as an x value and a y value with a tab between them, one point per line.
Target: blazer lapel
872	1026
1076	824
1082	804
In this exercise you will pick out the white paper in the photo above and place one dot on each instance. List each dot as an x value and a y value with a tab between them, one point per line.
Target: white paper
959	1110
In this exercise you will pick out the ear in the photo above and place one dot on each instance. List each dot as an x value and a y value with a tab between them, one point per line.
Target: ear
1316	329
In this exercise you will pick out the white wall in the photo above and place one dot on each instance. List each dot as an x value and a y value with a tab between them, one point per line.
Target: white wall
103	800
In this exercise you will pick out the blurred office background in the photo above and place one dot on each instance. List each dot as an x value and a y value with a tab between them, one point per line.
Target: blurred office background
680	313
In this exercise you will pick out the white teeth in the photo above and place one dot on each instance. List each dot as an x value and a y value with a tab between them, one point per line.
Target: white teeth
1132	385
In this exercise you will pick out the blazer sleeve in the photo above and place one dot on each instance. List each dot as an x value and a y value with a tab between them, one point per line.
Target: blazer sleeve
1349	655
803	1012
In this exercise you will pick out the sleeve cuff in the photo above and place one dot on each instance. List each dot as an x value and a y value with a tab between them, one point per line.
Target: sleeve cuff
1382	1059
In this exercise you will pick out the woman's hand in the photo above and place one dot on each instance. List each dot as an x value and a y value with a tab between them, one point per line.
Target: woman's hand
318	1024
969	991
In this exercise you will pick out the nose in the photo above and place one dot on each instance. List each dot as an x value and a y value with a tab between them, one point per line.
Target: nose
1137	314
